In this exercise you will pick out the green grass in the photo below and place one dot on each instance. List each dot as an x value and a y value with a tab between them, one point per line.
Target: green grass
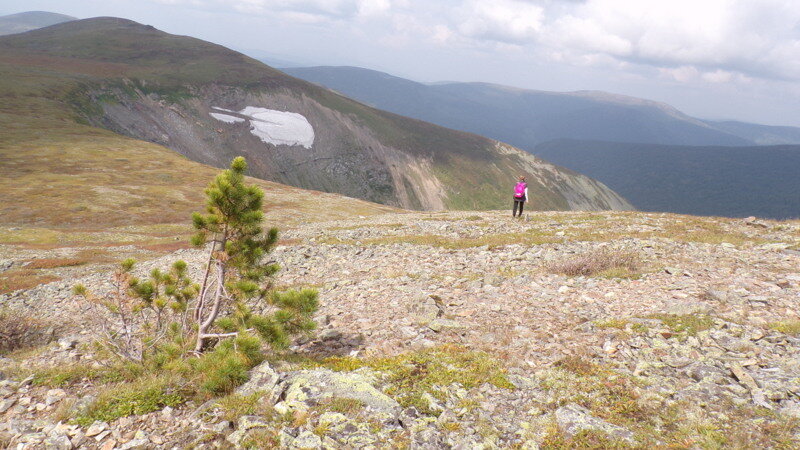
688	325
791	327
140	397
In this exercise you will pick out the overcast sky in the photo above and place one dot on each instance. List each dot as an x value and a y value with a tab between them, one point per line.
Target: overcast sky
715	59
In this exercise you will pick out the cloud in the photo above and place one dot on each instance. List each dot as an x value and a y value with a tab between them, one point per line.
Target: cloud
717	38
720	40
304	11
508	21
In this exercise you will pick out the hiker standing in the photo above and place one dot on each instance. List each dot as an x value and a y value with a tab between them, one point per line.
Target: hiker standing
520	196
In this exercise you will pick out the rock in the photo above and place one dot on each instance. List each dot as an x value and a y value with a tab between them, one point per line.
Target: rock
308	387
425	310
330	335
67	343
58	442
96	428
109	445
262	379
247	422
440	325
82	405
136	444
747	380
6	404
688	308
573	418
306	440
236	437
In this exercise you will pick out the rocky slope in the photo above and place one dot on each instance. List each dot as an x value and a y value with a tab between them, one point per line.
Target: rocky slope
473	330
210	103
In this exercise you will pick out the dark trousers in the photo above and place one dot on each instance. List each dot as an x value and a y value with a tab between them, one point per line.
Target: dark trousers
518	202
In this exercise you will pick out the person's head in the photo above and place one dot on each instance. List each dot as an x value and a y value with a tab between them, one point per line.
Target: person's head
522	179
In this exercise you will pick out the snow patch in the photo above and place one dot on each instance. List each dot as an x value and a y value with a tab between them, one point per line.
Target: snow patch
222	109
279	127
226	118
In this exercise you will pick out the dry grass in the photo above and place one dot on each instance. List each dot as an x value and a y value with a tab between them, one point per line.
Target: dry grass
533	237
18	279
603	263
54	263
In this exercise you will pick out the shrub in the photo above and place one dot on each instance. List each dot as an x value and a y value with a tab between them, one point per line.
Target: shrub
54	263
19	331
599	263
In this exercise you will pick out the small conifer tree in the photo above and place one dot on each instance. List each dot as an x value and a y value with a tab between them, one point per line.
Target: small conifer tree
160	317
236	271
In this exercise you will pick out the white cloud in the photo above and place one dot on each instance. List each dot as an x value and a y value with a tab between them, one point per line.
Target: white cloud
508	21
304	11
720	40
757	38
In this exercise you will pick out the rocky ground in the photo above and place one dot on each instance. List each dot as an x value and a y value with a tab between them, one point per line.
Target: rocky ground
473	330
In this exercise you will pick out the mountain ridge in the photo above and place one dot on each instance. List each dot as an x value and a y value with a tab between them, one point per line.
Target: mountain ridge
144	83
547	115
30	20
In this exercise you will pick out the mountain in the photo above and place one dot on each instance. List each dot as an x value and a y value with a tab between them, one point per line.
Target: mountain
522	117
712	180
760	134
30	20
210	104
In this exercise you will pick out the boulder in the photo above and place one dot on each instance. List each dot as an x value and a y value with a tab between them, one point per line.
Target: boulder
573	418
307	388
262	379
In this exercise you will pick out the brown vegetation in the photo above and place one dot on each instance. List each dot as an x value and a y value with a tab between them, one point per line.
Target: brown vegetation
604	263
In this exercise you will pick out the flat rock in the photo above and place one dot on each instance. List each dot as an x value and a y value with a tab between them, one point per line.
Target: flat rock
309	387
573	418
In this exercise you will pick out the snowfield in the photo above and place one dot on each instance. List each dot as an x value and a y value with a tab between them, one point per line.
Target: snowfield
272	126
279	127
226	118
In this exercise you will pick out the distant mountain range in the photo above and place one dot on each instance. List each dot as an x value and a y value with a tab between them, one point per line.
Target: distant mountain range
713	180
30	20
210	103
656	156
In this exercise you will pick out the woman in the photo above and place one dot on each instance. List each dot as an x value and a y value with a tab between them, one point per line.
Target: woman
520	196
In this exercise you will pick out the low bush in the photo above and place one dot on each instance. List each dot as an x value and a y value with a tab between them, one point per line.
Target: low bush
604	263
18	331
54	263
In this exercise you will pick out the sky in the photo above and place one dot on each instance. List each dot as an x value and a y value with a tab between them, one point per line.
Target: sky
713	59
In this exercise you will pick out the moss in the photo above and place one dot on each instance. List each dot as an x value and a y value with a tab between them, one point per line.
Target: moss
619	324
410	376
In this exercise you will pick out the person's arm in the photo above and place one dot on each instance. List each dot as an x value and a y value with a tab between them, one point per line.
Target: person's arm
526	193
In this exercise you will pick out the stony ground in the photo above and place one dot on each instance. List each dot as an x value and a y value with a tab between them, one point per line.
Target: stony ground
691	342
